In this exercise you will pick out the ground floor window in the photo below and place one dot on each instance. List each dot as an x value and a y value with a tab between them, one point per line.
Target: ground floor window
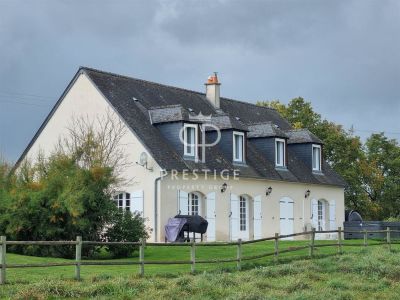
194	204
123	201
243	213
321	215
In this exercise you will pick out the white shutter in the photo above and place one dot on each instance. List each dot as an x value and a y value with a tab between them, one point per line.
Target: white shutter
314	213
137	202
210	216
183	202
234	217
332	215
257	213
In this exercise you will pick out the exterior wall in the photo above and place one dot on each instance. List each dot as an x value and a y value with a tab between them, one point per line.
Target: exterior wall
226	143
171	133
266	146
303	152
84	100
252	187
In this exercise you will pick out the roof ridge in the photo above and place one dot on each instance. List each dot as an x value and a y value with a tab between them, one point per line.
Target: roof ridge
170	86
139	79
245	102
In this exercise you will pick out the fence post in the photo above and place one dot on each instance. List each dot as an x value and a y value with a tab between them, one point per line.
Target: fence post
141	256
78	256
365	238
193	256
312	243
3	259
388	238
340	240
239	254
276	244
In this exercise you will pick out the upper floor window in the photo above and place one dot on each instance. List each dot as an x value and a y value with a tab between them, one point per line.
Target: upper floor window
123	201
190	139
280	150
238	146
316	158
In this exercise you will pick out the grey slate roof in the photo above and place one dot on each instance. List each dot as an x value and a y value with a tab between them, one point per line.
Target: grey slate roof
297	136
225	121
141	103
168	113
266	129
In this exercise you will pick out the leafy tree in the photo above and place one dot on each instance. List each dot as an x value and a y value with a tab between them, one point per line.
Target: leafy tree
64	201
67	193
381	176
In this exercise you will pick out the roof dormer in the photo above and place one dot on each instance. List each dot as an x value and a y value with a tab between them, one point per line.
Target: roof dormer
271	141
307	147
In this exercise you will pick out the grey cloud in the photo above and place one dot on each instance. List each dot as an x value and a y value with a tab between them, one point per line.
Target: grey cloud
344	56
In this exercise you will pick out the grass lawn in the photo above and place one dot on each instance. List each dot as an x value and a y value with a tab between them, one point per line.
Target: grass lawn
371	272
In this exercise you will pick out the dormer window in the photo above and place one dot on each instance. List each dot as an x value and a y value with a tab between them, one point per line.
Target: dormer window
316	157
238	146
190	140
280	150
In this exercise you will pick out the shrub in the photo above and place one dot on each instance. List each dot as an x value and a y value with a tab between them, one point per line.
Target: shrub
126	227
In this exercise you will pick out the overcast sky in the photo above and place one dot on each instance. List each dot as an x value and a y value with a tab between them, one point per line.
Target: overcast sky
343	56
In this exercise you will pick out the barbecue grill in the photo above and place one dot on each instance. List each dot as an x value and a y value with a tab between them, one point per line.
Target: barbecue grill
186	225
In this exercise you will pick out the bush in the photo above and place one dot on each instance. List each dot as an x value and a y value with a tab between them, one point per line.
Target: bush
127	227
57	199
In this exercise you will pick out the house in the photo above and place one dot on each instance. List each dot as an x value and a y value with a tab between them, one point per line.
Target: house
240	166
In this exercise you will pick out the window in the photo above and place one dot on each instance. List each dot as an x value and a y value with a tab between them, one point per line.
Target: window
316	158
190	140
238	146
243	213
123	201
193	204
280	152
321	213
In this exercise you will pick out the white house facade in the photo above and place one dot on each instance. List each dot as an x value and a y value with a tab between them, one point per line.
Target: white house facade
240	166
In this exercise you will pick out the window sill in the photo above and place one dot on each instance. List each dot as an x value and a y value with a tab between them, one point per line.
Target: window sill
316	172
239	163
281	168
186	157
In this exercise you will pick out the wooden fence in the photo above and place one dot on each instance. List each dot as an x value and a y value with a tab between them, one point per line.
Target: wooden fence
193	261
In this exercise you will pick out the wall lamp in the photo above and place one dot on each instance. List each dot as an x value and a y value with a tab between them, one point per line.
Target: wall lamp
269	191
224	187
307	194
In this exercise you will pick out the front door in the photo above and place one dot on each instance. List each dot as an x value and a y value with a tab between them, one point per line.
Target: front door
286	216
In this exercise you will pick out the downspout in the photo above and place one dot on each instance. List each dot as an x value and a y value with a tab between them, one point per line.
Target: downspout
304	223
156	208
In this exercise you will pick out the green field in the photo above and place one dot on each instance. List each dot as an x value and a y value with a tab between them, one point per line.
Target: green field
361	272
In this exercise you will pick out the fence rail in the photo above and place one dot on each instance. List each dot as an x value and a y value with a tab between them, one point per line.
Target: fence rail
78	263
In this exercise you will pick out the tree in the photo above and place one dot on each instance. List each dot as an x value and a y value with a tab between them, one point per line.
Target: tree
381	176
67	193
